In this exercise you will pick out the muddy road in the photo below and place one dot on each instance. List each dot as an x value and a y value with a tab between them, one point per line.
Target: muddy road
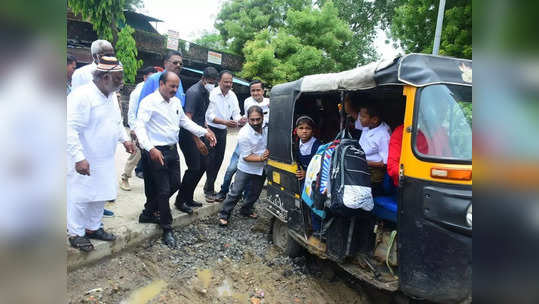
237	264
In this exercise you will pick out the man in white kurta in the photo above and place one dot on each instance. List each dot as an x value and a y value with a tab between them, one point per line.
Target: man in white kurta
94	128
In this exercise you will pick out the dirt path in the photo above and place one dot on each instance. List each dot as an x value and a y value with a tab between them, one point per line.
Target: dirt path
211	265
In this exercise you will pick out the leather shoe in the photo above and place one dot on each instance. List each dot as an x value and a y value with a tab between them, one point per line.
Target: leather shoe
193	204
143	218
184	208
100	234
219	197
169	239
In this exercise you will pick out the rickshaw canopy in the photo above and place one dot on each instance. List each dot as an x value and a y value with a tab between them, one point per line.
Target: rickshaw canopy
417	70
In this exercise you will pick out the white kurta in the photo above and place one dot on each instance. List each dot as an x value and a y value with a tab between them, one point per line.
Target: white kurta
94	128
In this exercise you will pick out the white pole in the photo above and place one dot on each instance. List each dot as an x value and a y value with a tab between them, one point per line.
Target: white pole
438	33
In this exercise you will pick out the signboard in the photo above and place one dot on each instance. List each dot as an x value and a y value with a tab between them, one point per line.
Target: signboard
214	57
172	40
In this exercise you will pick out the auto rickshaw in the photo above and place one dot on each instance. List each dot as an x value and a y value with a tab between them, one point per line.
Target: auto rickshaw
423	239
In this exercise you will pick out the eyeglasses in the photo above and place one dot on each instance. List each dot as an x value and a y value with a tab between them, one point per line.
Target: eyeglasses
176	63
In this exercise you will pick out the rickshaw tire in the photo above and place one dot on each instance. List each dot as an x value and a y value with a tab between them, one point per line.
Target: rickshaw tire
284	241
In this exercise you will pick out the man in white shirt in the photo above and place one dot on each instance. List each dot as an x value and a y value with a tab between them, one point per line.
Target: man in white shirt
159	119
94	127
256	88
133	159
84	74
223	112
252	140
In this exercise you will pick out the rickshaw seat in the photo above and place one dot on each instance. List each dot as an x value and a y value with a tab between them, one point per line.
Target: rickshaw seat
385	207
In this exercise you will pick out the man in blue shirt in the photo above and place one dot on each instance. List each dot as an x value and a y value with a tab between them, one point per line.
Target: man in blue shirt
173	62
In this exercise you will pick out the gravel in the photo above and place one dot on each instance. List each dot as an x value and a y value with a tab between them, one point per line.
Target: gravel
212	264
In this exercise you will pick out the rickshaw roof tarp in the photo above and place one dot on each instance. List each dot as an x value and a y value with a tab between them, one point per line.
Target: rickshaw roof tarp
415	69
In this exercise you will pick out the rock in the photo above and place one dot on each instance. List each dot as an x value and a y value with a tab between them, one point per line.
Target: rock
94	291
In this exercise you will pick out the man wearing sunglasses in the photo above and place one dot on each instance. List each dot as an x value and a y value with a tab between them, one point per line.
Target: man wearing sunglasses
173	63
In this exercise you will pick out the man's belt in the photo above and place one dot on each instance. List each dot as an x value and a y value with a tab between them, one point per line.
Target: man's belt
167	147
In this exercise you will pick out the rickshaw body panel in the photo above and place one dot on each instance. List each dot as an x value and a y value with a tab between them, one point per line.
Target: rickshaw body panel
435	242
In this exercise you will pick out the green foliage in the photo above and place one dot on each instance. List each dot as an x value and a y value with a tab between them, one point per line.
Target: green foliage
310	41
414	24
362	17
240	20
212	41
104	15
126	51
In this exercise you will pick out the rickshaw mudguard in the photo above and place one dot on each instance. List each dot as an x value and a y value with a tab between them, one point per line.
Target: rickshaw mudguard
434	243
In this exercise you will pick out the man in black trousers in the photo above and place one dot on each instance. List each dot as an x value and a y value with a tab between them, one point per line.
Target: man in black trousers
157	126
194	148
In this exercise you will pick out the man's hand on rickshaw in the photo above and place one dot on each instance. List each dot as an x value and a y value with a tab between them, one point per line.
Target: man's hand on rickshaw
265	156
300	174
211	138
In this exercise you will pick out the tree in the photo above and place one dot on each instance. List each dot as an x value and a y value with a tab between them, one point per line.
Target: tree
414	22
239	21
311	40
362	17
105	16
126	52
211	41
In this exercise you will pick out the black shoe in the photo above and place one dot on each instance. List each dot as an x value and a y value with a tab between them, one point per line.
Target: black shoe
143	218
193	204
100	234
219	197
184	208
210	197
169	239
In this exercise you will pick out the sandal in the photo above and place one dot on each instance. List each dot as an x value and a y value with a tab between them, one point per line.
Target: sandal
101	234
250	215
81	243
223	222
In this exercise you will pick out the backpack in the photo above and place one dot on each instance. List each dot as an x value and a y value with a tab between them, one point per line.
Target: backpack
312	192
350	178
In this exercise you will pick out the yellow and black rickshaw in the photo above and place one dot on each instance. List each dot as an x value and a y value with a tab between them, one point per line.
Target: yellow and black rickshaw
423	239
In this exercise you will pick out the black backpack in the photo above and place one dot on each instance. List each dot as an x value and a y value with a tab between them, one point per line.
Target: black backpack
350	179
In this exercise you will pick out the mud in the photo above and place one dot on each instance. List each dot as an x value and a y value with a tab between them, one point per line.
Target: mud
237	264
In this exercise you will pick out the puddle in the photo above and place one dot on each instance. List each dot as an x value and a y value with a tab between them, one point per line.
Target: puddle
225	290
144	294
204	277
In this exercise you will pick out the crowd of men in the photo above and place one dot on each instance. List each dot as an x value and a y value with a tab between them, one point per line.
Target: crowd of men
160	117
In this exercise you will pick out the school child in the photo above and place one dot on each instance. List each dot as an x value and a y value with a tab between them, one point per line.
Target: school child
308	144
374	141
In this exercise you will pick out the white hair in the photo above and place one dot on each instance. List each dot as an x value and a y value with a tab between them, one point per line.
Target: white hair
98	45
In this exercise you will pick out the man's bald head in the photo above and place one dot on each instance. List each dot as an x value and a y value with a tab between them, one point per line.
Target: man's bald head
168	84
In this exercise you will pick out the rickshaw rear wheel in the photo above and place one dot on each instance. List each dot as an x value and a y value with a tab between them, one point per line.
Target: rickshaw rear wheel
283	240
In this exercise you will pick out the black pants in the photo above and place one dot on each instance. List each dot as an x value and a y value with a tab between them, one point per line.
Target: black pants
160	183
241	180
196	166
215	159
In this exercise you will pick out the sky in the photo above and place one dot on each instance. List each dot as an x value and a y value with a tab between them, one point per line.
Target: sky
191	18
